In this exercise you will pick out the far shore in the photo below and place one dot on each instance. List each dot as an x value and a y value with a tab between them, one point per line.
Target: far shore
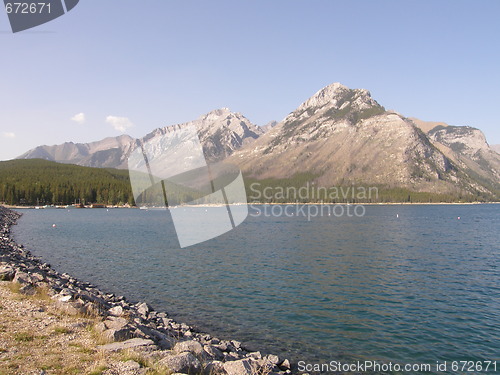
14	207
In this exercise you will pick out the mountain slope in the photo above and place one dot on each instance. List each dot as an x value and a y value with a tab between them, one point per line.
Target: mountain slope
102	153
343	137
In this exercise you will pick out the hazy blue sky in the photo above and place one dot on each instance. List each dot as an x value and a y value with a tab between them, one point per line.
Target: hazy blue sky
159	62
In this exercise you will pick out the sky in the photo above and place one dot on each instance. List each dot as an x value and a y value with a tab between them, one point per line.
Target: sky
120	66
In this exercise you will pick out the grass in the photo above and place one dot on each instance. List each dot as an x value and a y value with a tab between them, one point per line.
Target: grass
24	336
46	347
62	330
99	370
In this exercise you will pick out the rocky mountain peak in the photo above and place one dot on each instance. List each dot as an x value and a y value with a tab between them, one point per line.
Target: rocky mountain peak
338	96
216	114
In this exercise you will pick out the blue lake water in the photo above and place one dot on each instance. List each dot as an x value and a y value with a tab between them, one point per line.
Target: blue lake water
403	283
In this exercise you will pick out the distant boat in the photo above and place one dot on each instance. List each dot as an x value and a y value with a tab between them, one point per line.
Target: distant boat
143	208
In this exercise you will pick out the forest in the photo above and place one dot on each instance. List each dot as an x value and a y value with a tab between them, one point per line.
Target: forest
42	182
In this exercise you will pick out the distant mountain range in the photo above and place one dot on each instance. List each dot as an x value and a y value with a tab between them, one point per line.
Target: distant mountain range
340	136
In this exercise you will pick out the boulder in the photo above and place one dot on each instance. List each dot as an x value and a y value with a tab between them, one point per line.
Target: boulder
167	343
255	355
115	322
28	290
22	278
214	368
128	344
213	352
70	308
273	359
285	365
143	309
240	367
118	334
7	273
184	362
190	346
116	311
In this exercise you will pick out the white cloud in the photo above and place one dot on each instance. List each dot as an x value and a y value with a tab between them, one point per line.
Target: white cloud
79	118
119	123
9	135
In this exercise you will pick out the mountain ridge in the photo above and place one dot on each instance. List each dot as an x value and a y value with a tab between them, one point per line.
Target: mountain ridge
341	136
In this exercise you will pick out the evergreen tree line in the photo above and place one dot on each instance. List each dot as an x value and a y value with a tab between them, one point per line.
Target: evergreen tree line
41	182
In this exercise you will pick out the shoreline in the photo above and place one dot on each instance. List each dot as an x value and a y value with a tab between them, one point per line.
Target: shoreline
10	207
129	325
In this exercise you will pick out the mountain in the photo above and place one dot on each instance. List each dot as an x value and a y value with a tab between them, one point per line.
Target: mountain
343	136
339	136
466	147
269	126
495	148
105	153
221	132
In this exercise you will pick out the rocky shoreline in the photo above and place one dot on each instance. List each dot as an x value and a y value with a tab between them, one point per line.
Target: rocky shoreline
126	325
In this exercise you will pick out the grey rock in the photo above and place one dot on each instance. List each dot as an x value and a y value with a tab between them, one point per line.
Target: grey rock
255	355
274	359
28	290
92	309
70	308
236	344
116	311
7	273
118	335
87	296
231	356
128	344
167	343
240	367
62	297
151	332
213	352
115	322
285	365
37	277
22	278
100	327
214	368
185	362
143	309
191	346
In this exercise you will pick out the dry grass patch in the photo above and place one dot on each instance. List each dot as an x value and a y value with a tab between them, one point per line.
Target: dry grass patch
35	335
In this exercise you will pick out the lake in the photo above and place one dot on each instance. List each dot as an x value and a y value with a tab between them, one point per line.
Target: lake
403	283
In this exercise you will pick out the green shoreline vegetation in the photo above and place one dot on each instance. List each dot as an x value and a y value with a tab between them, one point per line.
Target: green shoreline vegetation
36	182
